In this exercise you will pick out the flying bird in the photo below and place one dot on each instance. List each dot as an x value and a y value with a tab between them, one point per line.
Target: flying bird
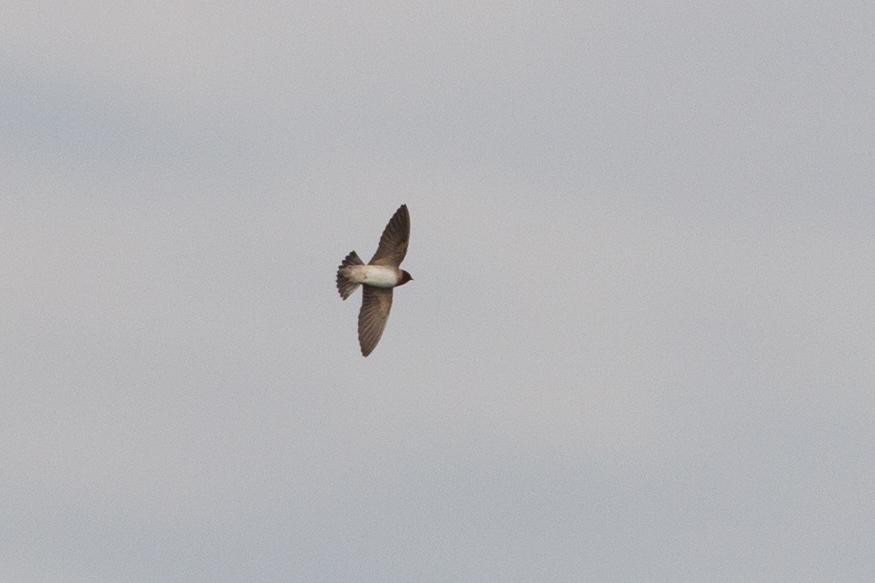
377	278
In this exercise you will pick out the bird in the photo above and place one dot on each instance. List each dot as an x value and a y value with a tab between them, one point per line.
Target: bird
378	278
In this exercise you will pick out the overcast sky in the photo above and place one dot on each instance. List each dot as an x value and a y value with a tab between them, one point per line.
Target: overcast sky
640	343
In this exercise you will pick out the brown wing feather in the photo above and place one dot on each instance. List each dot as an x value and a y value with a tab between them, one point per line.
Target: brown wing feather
393	242
376	303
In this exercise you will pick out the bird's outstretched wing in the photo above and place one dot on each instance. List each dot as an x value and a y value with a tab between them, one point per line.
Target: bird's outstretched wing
376	303
393	242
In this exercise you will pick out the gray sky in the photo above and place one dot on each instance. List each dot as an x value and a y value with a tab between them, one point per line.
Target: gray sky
639	343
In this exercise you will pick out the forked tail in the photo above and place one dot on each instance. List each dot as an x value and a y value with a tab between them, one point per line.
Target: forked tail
344	285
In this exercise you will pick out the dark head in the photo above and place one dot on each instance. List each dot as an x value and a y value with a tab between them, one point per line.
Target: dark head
405	277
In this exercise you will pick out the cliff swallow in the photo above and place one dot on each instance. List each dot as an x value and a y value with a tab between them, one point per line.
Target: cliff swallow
377	278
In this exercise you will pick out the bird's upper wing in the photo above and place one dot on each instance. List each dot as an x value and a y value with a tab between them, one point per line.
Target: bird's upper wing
376	303
393	243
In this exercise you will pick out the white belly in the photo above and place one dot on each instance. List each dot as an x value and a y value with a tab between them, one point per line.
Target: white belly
375	275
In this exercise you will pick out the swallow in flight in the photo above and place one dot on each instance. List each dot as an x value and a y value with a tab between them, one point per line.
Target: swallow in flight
378	278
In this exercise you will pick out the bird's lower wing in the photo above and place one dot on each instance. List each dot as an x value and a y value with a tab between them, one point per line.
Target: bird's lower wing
376	303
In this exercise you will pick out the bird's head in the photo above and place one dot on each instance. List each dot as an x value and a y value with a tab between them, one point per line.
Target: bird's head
405	277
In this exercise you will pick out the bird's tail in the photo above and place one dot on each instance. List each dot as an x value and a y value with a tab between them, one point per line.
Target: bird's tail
344	285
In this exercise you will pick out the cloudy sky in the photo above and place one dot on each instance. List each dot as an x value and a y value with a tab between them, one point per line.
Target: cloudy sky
640	343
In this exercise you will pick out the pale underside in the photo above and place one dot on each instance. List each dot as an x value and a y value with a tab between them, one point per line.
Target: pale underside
375	275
